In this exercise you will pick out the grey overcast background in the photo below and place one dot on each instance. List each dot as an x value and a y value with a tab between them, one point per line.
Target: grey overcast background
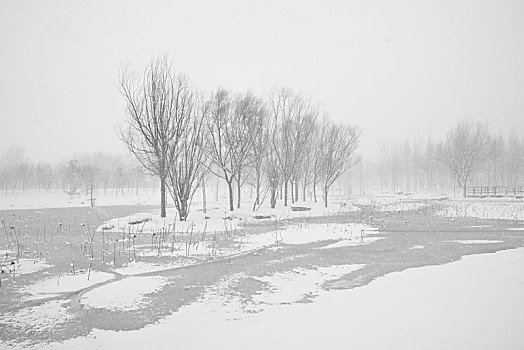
395	68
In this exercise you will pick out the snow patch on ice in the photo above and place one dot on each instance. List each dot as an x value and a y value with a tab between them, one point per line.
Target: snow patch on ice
297	284
67	283
351	243
475	241
125	295
310	233
140	267
22	266
39	318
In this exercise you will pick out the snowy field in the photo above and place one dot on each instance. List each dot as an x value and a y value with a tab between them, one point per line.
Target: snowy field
474	303
32	199
323	278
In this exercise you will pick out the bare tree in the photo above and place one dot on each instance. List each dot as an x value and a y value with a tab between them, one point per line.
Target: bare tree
259	153
230	138
247	111
295	118
466	148
155	117
188	164
339	153
274	176
89	174
308	169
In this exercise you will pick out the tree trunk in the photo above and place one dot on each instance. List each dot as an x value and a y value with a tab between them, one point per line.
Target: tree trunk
238	190
465	188
216	193
163	197
326	196
273	197
315	192
304	191
204	209
230	189
285	193
257	194
183	210
296	190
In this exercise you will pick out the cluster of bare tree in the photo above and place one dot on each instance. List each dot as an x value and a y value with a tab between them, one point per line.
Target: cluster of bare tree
82	172
275	144
469	154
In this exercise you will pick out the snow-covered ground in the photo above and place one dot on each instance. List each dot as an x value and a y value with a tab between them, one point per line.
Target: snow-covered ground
474	303
345	234
482	208
218	217
32	199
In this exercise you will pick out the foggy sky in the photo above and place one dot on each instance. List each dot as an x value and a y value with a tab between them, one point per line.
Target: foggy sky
394	68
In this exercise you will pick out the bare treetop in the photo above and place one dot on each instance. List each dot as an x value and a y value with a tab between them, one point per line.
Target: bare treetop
158	106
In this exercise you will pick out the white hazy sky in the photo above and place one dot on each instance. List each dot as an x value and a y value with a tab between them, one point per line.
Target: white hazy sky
394	68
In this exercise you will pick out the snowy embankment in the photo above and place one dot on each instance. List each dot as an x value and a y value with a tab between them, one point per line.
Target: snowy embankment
344	235
397	203
493	209
219	233
473	303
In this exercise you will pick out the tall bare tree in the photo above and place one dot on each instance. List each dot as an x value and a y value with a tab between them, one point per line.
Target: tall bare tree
227	133
466	148
259	153
189	161
339	153
247	111
295	119
155	117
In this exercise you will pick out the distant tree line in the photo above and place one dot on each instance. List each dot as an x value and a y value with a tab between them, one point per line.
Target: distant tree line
80	174
468	155
280	144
